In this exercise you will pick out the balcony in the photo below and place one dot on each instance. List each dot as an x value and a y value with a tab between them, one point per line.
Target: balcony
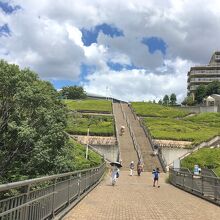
204	79
193	88
204	72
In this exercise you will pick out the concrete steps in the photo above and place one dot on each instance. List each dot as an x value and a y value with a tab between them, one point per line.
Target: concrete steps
127	150
150	162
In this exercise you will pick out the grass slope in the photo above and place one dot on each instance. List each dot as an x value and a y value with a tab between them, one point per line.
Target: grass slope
98	125
155	110
205	158
89	105
170	123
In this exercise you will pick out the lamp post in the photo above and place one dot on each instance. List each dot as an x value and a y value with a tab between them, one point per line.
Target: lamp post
87	146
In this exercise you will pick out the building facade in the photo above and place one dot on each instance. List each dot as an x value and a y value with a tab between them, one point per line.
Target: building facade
203	75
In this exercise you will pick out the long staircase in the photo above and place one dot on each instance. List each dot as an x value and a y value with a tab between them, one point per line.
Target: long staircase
124	116
126	146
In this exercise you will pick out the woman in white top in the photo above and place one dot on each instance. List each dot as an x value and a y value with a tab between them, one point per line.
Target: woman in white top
115	172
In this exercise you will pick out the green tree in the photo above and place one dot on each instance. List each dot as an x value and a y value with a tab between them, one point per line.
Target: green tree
213	88
73	92
32	122
188	101
200	93
173	99
166	100
160	102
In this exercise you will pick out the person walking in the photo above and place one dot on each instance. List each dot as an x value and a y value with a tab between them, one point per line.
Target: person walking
156	177
114	174
131	168
139	168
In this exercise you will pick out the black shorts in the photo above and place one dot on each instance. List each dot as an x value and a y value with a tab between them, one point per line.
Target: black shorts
155	178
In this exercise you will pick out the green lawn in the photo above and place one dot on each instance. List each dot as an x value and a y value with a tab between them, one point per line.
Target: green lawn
187	129
170	123
78	153
156	110
89	105
205	158
98	125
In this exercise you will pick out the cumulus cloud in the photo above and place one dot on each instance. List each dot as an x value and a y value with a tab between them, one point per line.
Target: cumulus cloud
138	84
46	36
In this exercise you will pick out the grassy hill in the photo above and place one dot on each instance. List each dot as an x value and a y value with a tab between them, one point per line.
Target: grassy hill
155	110
99	125
89	105
171	124
205	158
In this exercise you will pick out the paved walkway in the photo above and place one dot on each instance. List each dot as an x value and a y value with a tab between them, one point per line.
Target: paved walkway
134	198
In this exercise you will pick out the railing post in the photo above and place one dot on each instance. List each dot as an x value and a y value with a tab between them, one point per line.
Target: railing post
79	183
54	198
183	180
202	179
216	190
27	199
69	180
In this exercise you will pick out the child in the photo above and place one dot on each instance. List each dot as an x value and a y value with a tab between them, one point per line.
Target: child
156	177
131	168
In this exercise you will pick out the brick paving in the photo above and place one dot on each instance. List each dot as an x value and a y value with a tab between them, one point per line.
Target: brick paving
134	198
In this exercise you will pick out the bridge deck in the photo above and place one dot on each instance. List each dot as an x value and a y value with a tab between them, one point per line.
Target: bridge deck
135	198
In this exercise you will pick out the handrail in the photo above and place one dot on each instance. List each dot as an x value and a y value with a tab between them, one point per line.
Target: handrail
117	136
206	187
161	158
40	198
136	145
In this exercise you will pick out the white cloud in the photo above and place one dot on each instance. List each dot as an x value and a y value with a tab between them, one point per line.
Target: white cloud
46	37
138	84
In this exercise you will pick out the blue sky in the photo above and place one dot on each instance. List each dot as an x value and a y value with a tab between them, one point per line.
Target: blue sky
90	36
7	8
140	50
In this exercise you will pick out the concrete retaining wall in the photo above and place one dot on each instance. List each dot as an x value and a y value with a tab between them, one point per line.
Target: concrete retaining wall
201	109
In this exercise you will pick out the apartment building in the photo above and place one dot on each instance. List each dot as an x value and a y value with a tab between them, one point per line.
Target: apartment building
203	75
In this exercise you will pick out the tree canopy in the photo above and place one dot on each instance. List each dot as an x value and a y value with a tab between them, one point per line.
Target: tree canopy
200	93
213	88
173	99
32	122
166	100
73	92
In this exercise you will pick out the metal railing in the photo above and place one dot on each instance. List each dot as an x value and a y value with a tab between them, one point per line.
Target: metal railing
161	158
43	198
136	145
206	187
117	136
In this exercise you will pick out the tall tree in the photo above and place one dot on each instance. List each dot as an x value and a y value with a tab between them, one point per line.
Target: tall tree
73	92
32	122
200	93
173	99
160	102
166	100
213	88
188	101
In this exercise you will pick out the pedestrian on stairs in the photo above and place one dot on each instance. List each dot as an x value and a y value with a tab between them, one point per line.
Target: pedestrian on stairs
131	168
139	168
156	177
114	174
